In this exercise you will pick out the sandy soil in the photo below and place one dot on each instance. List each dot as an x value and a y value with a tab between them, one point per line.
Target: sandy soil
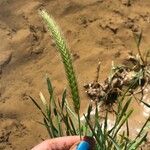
95	30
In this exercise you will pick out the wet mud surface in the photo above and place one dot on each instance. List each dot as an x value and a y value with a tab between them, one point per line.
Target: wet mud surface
96	30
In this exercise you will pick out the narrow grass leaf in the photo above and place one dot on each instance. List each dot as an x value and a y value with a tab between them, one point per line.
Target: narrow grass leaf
137	142
115	143
122	122
49	86
73	127
48	128
36	104
144	125
124	110
138	38
146	104
93	131
127	127
63	99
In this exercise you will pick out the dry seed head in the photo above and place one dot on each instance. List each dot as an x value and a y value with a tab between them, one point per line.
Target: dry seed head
42	98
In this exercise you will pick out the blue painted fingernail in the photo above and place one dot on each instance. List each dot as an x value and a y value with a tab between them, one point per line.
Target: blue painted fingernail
83	145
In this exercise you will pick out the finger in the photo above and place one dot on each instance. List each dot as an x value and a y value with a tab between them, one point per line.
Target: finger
61	143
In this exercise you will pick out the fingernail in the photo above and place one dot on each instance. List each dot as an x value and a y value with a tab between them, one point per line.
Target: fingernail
83	145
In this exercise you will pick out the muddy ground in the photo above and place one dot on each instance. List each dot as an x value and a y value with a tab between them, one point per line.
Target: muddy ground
95	30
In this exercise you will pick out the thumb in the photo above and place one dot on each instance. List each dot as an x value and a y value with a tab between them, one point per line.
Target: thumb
61	143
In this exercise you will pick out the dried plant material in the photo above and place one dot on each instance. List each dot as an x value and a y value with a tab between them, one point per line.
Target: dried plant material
134	76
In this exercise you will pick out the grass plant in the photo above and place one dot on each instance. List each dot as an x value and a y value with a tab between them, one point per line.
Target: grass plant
60	119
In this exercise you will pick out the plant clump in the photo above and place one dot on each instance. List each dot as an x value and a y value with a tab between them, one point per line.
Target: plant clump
61	120
133	74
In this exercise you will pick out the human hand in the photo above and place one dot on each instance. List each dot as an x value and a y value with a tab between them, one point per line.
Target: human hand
61	143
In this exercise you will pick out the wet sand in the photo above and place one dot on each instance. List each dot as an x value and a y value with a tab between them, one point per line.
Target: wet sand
95	30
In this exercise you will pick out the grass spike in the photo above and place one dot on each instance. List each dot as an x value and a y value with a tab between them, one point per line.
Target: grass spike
65	55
